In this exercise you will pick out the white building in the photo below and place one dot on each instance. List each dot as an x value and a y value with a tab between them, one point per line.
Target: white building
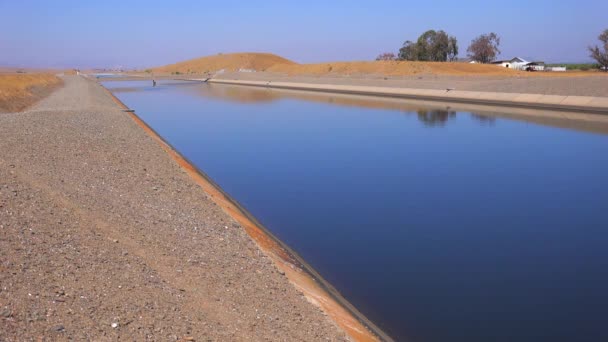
519	63
556	68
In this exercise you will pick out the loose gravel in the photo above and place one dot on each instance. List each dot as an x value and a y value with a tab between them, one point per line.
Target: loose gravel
104	237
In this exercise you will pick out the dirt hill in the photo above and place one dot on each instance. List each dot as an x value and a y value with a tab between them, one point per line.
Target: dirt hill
392	68
273	63
228	62
276	64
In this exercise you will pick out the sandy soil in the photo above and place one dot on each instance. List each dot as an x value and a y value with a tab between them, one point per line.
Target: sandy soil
105	237
425	75
273	63
18	91
266	62
228	62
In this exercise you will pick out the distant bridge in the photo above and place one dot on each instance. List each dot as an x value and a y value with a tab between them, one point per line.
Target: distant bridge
120	77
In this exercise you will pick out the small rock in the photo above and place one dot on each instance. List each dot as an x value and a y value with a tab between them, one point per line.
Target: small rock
59	328
114	325
6	313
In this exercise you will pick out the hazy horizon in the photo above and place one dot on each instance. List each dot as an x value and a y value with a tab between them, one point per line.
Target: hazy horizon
141	34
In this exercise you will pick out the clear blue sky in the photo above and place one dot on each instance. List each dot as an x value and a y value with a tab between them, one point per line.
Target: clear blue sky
149	33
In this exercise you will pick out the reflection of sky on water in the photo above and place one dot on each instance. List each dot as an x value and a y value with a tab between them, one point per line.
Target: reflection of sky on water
437	223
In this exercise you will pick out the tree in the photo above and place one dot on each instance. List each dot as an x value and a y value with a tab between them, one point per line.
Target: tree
387	56
484	48
408	51
432	45
601	56
425	44
435	117
439	47
452	49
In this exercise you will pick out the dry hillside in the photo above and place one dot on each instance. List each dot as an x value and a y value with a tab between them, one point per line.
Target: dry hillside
392	68
273	63
228	62
17	91
279	65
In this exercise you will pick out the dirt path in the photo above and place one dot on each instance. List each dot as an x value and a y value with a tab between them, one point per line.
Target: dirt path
104	237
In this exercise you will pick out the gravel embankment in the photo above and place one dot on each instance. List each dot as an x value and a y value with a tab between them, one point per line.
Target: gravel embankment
104	237
596	84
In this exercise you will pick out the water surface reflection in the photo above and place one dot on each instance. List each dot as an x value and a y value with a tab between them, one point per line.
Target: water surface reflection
485	115
438	224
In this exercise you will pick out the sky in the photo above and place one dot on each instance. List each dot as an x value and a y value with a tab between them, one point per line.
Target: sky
139	34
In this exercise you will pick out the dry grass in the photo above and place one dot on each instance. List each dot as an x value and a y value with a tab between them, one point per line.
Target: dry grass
393	68
273	63
18	91
228	62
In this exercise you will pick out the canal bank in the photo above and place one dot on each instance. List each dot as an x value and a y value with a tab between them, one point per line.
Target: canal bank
567	103
105	236
302	275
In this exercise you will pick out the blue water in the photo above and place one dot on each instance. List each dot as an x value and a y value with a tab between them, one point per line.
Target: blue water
438	224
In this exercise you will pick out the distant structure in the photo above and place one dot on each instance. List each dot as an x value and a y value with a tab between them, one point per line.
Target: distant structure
519	63
555	68
465	60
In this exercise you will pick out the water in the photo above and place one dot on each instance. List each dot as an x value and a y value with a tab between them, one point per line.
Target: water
107	75
438	224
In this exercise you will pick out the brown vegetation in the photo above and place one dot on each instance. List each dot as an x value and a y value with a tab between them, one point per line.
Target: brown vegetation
392	68
484	48
18	91
276	64
228	62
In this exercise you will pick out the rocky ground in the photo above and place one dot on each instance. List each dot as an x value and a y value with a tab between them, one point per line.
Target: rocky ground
104	237
579	84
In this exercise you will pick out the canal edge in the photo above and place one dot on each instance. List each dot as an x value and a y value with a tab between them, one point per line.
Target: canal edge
568	103
300	274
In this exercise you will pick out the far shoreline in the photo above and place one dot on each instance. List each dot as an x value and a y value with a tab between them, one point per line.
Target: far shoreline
571	103
543	105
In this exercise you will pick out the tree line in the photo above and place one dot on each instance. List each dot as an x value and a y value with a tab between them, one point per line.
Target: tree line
438	46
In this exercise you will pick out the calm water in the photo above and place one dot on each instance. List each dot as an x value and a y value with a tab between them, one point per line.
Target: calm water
438	225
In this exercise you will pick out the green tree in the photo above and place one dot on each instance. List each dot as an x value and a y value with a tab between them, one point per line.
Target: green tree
601	55
432	45
408	51
452	49
425	45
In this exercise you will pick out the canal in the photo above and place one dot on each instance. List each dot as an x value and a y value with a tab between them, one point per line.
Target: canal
438	223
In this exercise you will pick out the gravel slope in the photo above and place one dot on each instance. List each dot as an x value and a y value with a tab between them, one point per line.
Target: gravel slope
595	84
104	237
